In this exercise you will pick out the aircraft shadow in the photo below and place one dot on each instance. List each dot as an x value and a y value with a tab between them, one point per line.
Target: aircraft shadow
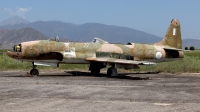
87	74
121	75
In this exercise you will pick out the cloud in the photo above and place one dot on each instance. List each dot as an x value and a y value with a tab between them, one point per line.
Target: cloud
9	10
18	11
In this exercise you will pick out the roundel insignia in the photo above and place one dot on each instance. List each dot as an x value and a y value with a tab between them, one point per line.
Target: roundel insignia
158	55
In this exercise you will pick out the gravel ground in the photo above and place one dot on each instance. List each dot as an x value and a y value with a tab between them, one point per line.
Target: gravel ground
68	91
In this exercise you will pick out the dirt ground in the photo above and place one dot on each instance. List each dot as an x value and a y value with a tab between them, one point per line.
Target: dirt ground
70	91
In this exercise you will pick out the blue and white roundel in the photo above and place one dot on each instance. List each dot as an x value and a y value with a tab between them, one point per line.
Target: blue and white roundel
158	55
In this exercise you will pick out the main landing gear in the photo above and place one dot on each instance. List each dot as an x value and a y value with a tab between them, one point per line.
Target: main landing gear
112	71
34	71
95	69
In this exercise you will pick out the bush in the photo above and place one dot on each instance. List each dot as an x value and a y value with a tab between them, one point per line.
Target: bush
192	48
186	48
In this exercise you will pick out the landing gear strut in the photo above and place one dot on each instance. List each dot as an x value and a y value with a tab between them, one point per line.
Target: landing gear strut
34	71
95	67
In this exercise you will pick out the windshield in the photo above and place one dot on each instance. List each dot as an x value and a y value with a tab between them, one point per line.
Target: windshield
17	48
56	38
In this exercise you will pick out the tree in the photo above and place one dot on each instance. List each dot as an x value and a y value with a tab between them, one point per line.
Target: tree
186	48
192	48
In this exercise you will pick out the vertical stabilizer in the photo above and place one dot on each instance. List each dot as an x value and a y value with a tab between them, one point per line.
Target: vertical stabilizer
173	35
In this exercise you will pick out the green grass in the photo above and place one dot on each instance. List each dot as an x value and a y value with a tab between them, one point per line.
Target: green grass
195	53
190	63
8	63
3	50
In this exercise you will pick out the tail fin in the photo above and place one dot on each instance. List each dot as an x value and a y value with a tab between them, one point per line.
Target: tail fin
173	36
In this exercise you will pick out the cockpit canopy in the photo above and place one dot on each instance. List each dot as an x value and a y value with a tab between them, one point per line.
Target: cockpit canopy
98	40
17	48
56	38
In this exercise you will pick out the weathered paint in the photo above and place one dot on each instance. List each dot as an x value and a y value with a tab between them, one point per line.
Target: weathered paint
86	52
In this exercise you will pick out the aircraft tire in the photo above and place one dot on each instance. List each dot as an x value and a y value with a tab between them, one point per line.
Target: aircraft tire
109	71
34	72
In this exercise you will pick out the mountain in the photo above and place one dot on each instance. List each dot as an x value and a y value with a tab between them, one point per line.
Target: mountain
10	37
191	42
14	20
86	32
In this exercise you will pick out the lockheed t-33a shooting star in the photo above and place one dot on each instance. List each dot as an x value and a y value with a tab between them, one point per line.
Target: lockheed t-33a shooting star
99	53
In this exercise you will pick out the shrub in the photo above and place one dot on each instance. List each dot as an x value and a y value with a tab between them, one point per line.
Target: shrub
186	48
192	48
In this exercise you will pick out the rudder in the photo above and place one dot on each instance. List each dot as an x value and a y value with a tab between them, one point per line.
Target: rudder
173	35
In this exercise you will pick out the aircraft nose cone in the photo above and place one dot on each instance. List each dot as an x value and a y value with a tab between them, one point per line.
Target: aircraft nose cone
13	54
9	53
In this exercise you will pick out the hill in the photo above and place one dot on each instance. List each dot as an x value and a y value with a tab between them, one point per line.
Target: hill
191	42
86	32
10	37
14	20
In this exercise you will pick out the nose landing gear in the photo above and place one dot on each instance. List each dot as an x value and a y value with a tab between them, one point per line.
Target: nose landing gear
34	71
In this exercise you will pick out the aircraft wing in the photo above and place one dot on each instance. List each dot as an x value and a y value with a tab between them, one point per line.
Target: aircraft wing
120	61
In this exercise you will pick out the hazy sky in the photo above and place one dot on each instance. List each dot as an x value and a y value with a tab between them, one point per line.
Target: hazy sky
151	16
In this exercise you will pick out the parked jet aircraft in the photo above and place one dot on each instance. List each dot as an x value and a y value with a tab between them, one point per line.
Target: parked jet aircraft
100	53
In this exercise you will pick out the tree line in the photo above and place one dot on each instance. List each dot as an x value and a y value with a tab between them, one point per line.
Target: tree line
190	48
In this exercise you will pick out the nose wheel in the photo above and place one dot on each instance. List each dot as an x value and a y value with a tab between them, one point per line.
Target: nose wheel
34	71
